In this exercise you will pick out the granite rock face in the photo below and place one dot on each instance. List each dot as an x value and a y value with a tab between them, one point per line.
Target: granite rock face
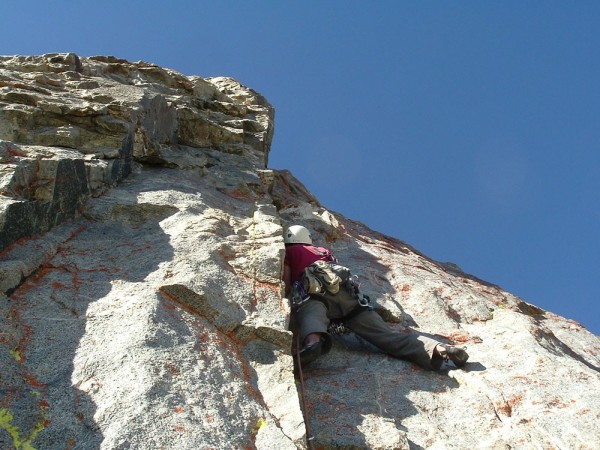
80	123
142	306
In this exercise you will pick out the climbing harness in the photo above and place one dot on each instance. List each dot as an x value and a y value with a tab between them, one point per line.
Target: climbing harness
302	292
338	326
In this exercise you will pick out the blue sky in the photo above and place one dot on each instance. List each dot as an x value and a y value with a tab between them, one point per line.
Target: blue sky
468	129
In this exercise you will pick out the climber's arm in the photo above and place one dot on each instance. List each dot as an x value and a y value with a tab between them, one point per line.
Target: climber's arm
287	279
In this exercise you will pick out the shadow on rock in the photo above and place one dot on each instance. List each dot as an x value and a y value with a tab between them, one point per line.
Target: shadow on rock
358	397
49	375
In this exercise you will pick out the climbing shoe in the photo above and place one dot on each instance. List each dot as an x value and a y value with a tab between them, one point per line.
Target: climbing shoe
449	357
310	352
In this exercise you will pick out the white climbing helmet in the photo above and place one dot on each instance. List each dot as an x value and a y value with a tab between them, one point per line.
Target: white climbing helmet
297	234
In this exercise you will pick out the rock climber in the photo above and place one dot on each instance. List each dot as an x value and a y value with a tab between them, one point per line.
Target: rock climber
313	314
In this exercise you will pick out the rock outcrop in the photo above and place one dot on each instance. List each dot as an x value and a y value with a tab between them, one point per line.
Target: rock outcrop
142	307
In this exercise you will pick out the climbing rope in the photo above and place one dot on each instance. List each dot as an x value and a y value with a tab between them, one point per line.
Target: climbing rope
298	296
305	414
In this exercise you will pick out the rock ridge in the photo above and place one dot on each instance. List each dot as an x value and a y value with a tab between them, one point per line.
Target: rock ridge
78	124
141	301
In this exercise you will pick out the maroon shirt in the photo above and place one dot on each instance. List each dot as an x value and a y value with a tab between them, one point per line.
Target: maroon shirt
300	256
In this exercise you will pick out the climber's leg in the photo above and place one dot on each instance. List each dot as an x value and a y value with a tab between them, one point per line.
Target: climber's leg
409	346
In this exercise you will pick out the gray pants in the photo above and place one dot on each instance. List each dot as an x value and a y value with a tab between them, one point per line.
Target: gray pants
314	317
